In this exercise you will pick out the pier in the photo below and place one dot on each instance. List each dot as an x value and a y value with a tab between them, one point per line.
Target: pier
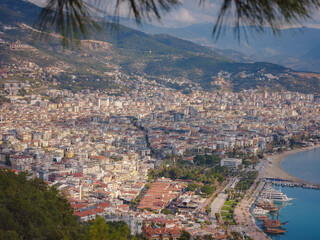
287	183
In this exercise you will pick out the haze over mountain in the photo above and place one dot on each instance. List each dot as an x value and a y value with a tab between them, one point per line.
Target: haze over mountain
296	48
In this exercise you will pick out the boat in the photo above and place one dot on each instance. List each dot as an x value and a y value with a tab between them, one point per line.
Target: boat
274	195
262	217
273	223
259	211
267	205
275	230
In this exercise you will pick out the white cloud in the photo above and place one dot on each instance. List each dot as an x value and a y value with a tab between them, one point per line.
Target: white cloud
182	15
40	3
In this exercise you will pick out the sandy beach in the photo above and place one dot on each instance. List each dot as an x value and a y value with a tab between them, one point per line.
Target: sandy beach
274	170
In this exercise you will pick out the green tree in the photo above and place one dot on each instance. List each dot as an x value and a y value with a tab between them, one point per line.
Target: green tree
99	229
166	211
102	230
29	209
207	190
192	187
8	162
185	235
208	237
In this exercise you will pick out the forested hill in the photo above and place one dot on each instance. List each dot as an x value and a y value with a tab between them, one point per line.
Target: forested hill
131	51
30	209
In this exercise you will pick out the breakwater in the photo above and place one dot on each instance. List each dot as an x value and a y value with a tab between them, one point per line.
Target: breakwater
287	183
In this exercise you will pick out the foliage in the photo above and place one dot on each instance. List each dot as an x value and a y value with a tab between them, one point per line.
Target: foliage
152	175
8	162
208	209
228	211
208	237
182	170
166	211
238	236
30	209
99	229
207	190
206	160
246	180
273	13
184	235
192	187
102	230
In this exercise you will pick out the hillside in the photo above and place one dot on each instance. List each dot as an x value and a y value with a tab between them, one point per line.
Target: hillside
18	11
30	209
123	50
290	48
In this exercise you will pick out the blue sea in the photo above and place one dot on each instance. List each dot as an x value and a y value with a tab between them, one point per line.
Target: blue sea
303	213
304	165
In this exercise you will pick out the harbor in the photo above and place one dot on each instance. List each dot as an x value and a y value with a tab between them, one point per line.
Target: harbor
280	208
266	206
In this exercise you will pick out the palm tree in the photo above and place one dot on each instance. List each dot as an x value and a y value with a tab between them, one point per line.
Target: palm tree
73	19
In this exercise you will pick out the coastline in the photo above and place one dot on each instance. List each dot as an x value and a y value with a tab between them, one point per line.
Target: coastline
274	170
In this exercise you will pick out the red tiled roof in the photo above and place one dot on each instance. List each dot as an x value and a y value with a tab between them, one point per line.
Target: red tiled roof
78	205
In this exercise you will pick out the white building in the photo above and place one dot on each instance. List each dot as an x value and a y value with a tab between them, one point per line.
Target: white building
230	162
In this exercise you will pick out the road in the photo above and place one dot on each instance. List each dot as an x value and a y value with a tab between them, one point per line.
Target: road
246	222
218	202
217	205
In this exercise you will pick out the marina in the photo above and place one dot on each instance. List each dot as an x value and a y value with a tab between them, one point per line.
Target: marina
301	215
296	184
273	195
266	207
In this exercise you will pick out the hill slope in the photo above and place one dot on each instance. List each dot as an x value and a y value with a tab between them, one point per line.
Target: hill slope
131	51
290	48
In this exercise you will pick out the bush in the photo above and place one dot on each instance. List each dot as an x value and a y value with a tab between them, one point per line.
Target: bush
166	211
32	210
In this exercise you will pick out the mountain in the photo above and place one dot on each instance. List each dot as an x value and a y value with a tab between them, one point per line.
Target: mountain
157	56
18	11
290	48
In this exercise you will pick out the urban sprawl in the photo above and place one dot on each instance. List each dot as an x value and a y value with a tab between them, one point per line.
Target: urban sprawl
117	155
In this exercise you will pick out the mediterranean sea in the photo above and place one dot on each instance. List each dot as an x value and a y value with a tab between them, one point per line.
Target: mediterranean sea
304	165
303	213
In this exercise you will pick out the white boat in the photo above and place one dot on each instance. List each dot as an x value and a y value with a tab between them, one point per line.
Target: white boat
259	211
274	195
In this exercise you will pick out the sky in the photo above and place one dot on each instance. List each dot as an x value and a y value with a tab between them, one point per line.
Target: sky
189	12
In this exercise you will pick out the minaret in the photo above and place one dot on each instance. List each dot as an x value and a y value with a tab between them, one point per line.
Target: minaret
137	165
80	191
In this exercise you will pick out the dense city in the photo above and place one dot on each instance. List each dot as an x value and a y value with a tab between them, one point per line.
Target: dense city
158	159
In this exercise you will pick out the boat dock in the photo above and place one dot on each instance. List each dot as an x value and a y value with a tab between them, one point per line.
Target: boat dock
286	183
